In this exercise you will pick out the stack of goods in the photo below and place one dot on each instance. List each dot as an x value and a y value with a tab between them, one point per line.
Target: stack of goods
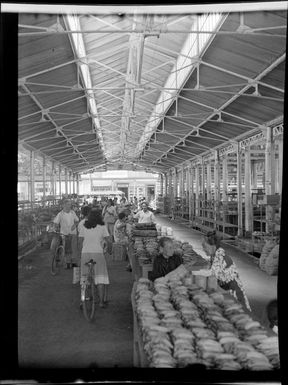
145	230
183	324
151	246
271	266
140	251
145	242
269	257
157	344
190	257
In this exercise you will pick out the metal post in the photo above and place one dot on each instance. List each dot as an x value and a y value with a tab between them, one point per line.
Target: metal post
208	188
217	186
59	181
32	178
197	190
280	160
269	174
44	178
66	181
225	179
239	190
248	203
77	183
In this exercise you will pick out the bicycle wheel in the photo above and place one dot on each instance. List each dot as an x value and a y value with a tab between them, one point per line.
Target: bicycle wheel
57	261
89	302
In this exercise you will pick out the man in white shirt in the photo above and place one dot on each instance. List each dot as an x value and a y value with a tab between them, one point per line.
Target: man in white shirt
144	215
66	221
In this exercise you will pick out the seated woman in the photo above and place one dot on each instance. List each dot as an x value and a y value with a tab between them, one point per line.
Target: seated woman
224	268
166	261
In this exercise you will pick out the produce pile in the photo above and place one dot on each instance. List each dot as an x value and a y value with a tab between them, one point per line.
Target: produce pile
145	242
181	325
269	258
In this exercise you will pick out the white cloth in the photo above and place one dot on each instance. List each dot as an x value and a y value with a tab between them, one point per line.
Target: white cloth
66	221
147	217
93	238
81	224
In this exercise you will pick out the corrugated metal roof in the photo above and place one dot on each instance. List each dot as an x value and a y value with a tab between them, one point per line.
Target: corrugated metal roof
235	65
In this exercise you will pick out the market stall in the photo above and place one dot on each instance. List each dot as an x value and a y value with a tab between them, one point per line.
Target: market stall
184	319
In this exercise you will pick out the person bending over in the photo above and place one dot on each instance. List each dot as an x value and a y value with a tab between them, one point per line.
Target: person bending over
166	261
224	268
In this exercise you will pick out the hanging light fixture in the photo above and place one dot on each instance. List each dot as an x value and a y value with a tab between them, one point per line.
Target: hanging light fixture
197	133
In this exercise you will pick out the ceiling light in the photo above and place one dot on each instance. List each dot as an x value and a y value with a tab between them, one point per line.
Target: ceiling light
173	150
197	133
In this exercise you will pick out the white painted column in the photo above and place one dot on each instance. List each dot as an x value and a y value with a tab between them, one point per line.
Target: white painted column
59	170
66	181
280	162
32	178
209	180
44	178
248	200
254	174
225	178
77	183
197	190
239	190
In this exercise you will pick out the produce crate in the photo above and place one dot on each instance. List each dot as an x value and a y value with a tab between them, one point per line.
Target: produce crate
139	355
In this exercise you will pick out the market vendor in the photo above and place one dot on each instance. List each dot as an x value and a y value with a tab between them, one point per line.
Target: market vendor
144	215
166	261
224	268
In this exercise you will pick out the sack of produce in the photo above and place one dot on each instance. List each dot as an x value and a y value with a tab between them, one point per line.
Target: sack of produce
144	233
265	252
150	226
271	265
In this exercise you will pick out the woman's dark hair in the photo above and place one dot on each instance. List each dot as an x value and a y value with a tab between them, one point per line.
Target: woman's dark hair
163	240
212	239
111	201
94	219
272	312
121	215
85	210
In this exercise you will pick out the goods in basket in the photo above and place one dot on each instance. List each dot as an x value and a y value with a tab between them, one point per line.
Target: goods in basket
144	233
142	226
268	246
179	273
270	348
271	264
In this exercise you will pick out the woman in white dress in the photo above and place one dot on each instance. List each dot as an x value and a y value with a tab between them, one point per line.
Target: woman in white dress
92	238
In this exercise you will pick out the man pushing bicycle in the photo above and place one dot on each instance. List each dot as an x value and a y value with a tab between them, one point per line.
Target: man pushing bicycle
66	221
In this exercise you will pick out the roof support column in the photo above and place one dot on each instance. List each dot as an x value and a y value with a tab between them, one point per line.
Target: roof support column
239	189
66	181
203	178
161	184
52	178
225	178
217	186
189	191
248	203
70	181
197	190
165	184
44	178
208	188
59	170
269	175
77	183
280	162
32	178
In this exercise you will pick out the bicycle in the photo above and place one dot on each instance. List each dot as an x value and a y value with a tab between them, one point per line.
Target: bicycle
58	257
88	295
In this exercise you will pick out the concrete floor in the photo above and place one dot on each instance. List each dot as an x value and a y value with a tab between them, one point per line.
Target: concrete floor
259	286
